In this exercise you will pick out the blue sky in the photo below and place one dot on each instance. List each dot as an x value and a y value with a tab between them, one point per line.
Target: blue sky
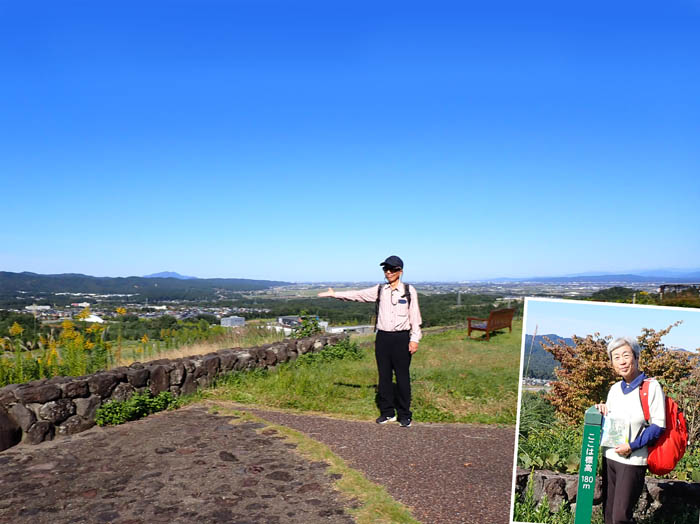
307	141
570	317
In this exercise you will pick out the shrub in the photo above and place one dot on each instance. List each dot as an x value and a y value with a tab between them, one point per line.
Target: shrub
343	350
138	406
309	326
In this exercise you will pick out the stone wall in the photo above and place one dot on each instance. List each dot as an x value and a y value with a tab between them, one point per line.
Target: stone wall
661	498
39	410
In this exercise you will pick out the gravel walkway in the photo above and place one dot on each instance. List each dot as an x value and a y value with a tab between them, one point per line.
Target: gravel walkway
446	473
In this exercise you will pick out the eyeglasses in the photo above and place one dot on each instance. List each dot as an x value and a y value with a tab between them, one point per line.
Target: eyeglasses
391	269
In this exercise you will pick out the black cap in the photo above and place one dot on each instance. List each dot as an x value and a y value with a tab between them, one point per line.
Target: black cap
393	261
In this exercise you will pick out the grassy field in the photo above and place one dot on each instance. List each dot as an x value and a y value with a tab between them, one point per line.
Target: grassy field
453	379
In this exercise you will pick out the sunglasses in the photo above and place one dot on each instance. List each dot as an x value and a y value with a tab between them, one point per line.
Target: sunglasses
391	269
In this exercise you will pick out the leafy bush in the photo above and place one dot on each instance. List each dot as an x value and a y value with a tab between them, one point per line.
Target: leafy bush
138	406
557	448
343	350
309	326
536	412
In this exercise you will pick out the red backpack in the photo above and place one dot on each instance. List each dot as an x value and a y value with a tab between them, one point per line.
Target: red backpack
665	453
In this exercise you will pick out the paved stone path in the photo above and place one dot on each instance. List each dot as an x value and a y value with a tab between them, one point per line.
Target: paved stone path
191	466
182	466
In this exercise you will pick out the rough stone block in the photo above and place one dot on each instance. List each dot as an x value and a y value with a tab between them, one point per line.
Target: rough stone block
7	395
555	489
211	365
228	360
177	375
10	431
137	377
102	384
87	407
270	357
23	416
39	432
75	424
40	394
160	379
75	389
122	392
190	385
57	411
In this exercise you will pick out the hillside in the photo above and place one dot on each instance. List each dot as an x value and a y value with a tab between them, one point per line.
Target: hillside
538	363
13	284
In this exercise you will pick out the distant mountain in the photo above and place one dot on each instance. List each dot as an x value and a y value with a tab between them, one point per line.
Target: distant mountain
612	278
168	274
538	363
154	288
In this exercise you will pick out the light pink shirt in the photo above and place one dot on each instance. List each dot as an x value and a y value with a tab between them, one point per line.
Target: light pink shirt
394	312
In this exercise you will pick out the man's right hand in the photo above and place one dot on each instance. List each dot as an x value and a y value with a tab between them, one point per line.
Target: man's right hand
329	293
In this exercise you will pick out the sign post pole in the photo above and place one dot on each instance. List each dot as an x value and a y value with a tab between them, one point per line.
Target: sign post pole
589	463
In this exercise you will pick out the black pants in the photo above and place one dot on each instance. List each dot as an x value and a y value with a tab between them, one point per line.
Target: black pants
622	486
393	357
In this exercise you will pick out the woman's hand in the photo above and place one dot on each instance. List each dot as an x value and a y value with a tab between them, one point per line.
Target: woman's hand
623	450
329	293
602	408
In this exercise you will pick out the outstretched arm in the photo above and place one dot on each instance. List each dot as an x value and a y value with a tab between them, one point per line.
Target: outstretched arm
329	293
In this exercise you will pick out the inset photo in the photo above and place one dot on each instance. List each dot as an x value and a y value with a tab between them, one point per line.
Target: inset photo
609	414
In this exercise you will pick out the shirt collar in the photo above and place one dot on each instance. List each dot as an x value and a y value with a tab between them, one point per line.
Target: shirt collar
628	388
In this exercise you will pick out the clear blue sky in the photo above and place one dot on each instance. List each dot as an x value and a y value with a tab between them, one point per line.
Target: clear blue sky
570	317
307	141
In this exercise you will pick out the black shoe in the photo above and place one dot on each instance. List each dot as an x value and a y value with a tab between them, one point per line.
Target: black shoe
384	420
405	422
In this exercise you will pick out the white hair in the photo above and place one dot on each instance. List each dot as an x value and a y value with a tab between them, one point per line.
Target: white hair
624	341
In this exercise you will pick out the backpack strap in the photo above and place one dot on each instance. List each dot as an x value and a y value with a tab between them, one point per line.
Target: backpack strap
407	293
644	399
376	305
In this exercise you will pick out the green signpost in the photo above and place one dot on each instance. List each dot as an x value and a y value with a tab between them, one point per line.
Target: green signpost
587	468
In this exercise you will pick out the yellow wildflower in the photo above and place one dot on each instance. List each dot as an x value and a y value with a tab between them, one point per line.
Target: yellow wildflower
144	338
16	330
85	313
121	311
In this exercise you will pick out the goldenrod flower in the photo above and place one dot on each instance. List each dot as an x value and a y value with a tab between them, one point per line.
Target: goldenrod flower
16	330
121	311
144	338
85	313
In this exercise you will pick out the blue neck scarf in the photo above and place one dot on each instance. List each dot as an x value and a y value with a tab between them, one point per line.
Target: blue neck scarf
628	388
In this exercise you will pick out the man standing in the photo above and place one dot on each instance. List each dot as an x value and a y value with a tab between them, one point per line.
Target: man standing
398	335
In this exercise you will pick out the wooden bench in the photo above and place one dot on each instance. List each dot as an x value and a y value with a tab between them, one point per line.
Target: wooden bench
498	319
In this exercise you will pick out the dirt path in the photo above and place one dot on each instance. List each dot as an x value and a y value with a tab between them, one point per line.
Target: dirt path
192	466
446	473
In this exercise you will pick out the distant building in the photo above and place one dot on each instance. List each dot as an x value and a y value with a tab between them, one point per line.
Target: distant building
289	321
37	308
233	321
93	318
360	330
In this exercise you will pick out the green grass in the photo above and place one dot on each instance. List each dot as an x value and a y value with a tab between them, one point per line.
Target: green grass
453	379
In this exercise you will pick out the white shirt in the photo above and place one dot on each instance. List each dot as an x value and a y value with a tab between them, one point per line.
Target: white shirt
629	407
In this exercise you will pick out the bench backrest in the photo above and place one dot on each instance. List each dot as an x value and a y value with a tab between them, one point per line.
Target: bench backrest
500	318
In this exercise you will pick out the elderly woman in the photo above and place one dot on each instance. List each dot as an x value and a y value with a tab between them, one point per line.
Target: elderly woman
624	466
